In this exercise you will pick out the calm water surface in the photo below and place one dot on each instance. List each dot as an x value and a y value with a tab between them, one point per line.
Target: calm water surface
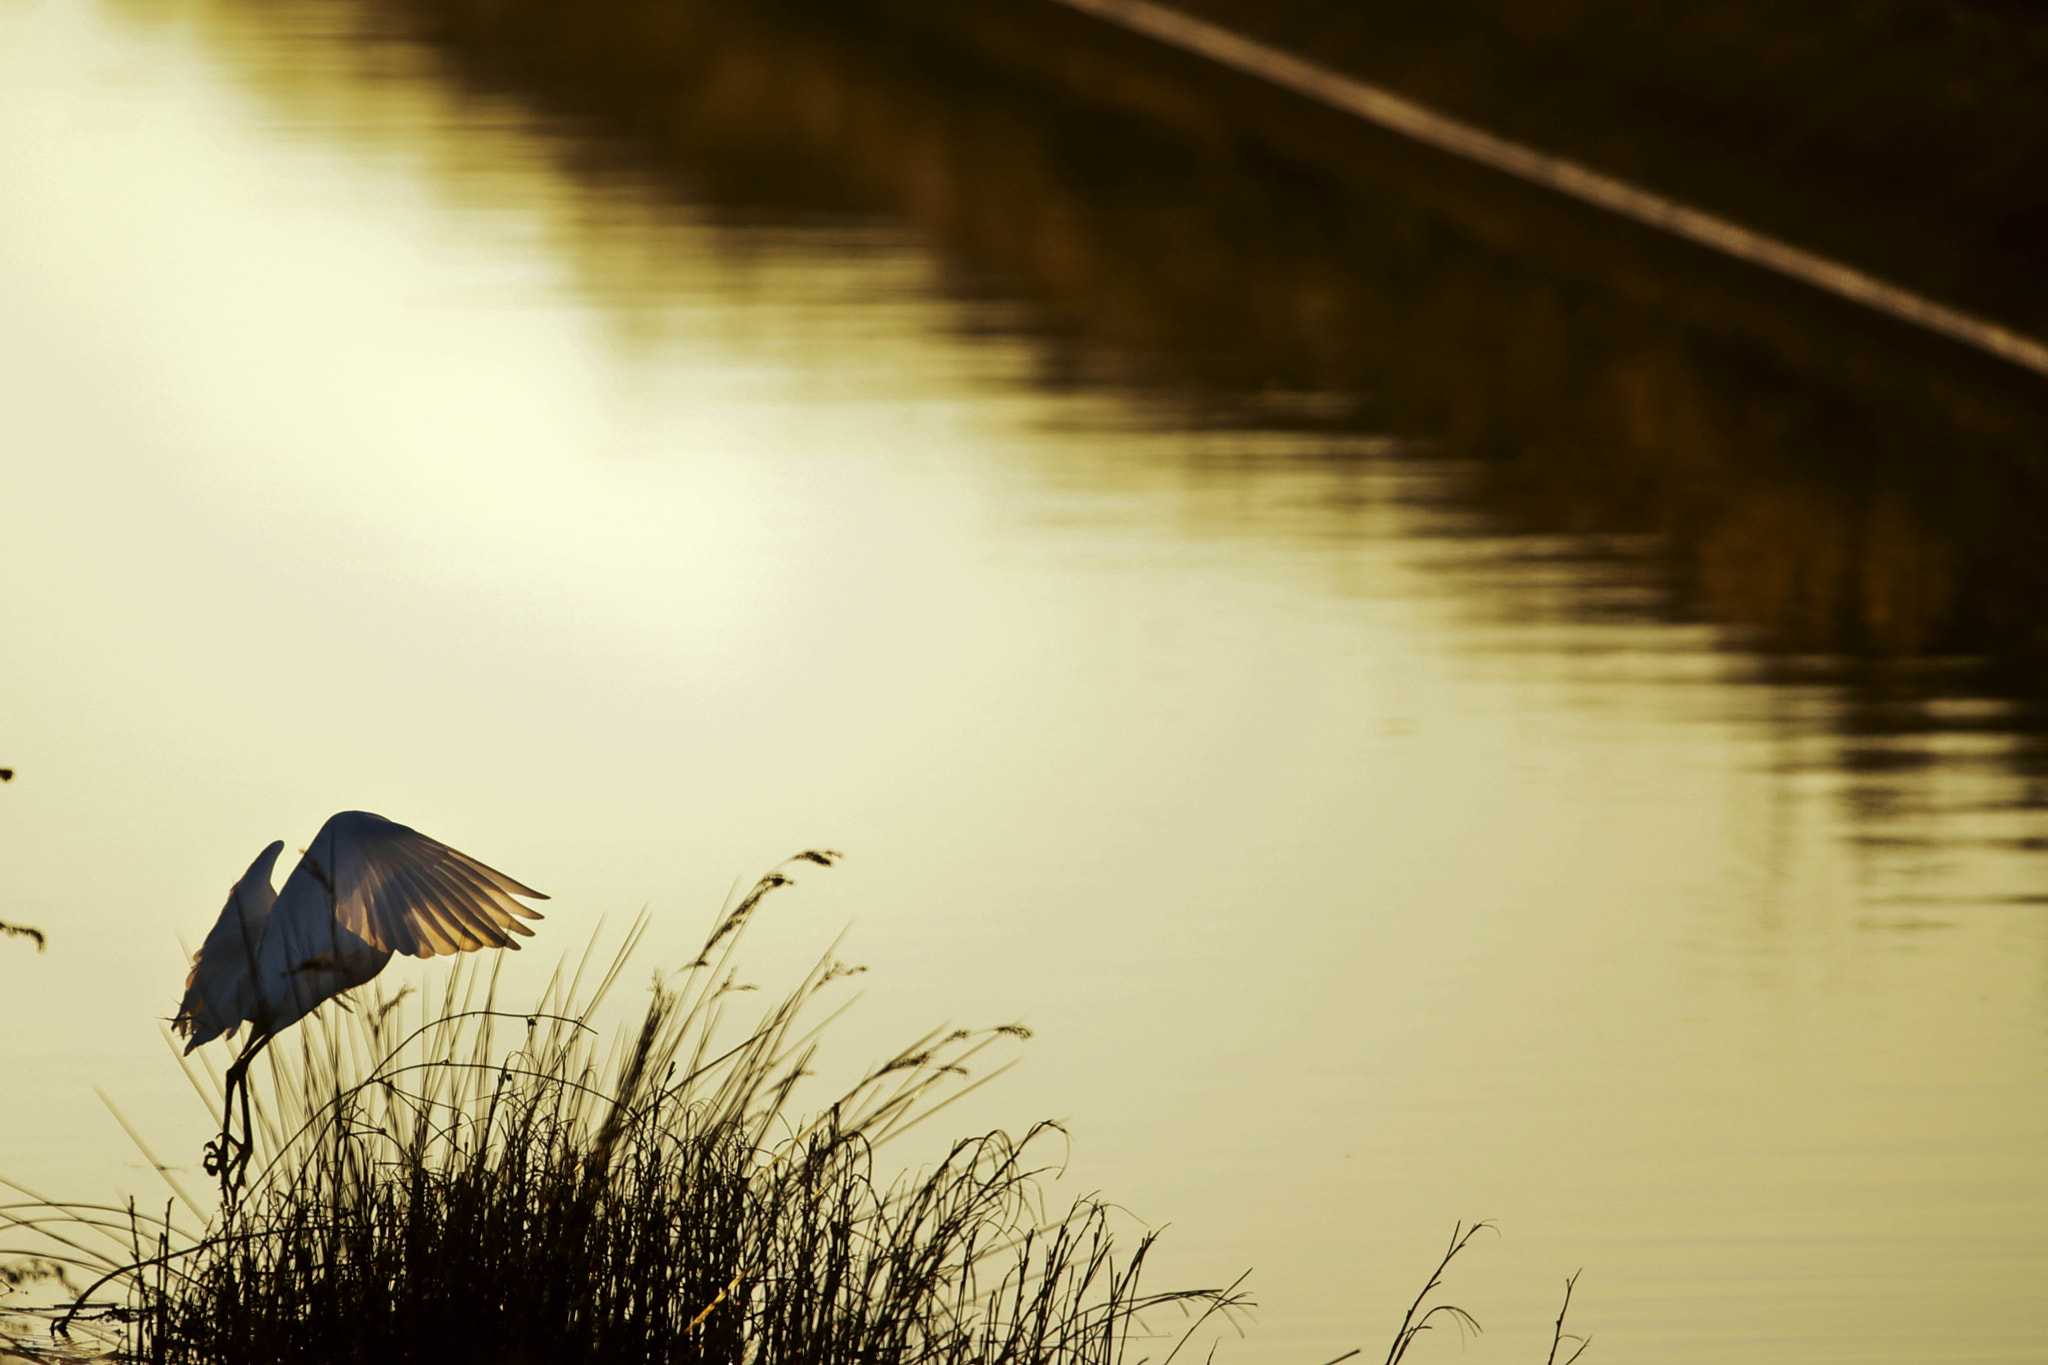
1362	866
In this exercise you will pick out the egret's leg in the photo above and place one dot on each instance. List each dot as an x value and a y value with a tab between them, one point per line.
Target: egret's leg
219	1151
227	1110
256	1045
248	1137
227	1157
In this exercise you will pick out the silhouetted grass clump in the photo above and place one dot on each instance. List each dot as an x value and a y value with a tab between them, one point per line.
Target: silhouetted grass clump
462	1184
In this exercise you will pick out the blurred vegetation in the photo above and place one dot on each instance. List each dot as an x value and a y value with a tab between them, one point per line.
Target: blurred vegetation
23	931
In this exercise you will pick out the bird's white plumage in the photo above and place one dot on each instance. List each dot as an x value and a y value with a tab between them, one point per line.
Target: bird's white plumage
220	990
366	888
406	893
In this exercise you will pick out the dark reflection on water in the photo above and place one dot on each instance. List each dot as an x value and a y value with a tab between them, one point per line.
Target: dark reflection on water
1859	510
1882	500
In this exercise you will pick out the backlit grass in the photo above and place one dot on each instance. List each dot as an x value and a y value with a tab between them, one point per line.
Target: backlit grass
446	1181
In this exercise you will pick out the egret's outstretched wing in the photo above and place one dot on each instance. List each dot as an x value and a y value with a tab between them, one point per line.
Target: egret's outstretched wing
220	991
406	893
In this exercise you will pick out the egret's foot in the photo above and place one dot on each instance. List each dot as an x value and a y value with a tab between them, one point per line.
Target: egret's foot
228	1158
221	1154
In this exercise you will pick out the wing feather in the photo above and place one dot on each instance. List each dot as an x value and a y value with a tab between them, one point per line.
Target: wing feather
400	897
471	899
384	920
402	891
488	890
472	927
466	928
428	920
449	912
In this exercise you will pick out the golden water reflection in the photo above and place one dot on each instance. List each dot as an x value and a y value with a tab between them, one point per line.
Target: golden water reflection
1418	736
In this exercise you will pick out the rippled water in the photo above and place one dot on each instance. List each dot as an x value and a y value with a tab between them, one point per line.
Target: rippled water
1376	830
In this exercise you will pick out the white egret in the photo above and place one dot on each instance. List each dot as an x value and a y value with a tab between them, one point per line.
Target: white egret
367	888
